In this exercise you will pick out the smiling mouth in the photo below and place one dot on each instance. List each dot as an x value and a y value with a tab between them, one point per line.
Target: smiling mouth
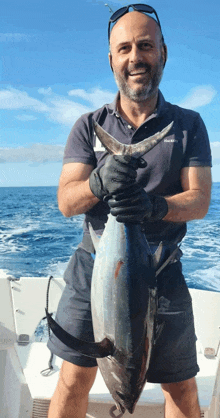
137	73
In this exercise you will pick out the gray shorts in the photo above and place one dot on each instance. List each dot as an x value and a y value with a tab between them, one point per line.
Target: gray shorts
174	352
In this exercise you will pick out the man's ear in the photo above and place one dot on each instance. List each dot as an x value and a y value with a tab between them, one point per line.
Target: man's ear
164	55
110	60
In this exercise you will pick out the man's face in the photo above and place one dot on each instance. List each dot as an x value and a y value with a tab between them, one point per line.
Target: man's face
137	56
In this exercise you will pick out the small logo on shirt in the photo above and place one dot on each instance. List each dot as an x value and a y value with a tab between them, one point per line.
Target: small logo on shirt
170	140
98	145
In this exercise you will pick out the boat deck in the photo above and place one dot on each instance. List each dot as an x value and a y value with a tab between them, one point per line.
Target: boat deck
35	358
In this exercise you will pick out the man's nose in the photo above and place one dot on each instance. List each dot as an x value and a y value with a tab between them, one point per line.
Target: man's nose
135	54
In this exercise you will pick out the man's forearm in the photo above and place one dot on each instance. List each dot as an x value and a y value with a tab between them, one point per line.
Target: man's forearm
187	206
76	198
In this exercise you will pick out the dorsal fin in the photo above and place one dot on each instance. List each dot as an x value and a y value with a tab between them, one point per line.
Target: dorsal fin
101	349
157	255
137	150
95	239
171	257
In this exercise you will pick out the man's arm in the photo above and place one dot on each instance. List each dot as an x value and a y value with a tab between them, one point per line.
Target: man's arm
79	191
74	194
193	202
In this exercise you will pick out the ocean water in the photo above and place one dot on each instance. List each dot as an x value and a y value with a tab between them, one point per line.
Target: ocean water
36	240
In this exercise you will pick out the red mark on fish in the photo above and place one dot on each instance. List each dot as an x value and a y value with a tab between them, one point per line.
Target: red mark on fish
118	267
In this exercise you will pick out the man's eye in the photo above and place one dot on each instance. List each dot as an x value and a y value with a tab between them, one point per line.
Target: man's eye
145	45
123	48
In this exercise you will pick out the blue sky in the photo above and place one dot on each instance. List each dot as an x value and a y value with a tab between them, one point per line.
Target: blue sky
54	67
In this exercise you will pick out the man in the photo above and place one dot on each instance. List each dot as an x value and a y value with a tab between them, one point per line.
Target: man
172	189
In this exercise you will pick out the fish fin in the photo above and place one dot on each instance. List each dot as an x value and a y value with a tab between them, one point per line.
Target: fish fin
110	143
94	237
147	144
137	150
168	260
157	255
101	349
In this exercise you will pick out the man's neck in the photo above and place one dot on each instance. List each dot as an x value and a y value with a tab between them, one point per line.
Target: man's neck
136	113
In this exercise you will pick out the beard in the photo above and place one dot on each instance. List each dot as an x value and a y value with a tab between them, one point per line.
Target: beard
146	86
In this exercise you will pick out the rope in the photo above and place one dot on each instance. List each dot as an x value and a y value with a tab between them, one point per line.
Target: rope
47	372
112	412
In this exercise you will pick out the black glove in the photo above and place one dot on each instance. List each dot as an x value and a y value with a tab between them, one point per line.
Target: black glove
138	207
118	173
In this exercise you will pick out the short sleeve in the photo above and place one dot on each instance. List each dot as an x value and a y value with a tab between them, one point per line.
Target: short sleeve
198	152
79	146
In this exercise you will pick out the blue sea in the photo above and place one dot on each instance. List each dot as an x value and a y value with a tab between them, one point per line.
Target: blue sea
36	240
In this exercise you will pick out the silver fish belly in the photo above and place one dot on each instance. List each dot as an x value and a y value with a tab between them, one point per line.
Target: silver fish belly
124	301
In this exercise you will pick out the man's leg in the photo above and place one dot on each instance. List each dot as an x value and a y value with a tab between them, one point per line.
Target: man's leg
70	399
181	399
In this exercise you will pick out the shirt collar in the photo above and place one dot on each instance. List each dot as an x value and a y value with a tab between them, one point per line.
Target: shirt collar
112	107
161	106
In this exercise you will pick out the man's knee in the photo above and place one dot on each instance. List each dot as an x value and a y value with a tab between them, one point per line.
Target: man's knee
178	391
76	380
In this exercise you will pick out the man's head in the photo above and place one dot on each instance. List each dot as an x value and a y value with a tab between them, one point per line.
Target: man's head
137	55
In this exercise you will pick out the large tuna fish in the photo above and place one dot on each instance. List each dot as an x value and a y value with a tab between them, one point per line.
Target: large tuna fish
123	297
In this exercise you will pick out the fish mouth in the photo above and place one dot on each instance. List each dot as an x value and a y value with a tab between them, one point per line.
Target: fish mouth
126	402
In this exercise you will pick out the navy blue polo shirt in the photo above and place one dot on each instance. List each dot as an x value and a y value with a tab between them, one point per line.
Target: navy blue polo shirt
186	145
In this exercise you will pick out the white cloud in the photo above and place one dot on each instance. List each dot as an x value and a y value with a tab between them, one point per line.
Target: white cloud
16	99
26	118
65	111
45	91
14	37
96	97
57	108
39	153
199	96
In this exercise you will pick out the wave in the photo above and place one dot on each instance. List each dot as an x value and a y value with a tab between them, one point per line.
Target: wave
57	269
208	279
4	274
10	238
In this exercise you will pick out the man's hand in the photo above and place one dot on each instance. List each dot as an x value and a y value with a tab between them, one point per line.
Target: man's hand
138	207
118	173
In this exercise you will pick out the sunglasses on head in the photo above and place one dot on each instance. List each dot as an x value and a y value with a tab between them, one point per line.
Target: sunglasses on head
144	8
